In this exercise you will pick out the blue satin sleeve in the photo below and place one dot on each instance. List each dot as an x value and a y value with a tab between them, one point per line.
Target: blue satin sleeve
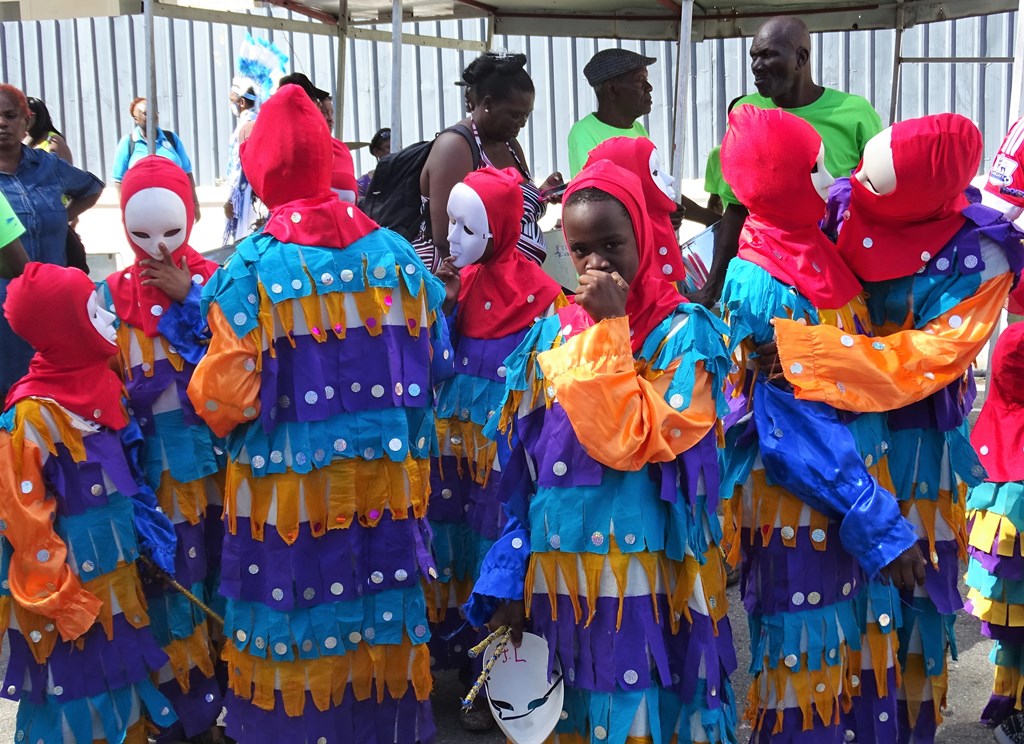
154	531
808	451
184	325
502	574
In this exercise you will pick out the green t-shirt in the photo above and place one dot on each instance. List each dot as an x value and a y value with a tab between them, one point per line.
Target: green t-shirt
844	121
713	182
588	133
10	225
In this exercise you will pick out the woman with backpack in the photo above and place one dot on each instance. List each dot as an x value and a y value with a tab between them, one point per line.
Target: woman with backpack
133	147
486	137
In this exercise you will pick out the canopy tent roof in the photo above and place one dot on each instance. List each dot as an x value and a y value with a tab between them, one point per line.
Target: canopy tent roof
655	19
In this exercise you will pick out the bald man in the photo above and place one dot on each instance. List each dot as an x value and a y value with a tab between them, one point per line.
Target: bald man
780	57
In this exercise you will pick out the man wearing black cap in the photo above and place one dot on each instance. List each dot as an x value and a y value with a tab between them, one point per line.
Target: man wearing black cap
320	97
619	78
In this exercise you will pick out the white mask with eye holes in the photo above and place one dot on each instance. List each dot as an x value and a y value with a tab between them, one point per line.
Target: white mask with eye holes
525	702
662	178
154	216
102	319
468	227
820	176
878	170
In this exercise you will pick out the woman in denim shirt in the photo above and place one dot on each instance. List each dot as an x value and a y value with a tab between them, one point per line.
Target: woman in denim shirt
34	183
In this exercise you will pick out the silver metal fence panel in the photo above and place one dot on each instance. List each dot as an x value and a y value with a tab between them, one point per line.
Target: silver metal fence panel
88	70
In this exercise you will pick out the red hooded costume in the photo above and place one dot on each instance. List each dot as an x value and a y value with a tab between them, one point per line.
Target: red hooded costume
650	299
767	157
137	304
634	154
504	294
48	307
293	175
895	235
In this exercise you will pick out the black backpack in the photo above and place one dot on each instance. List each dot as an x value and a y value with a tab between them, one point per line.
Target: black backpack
393	197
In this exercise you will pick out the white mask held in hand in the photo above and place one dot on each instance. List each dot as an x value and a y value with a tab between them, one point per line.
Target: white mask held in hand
662	178
155	216
101	318
468	229
820	176
878	171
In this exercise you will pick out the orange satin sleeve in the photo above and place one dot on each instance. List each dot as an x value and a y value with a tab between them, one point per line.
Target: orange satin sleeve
620	418
225	387
40	579
883	373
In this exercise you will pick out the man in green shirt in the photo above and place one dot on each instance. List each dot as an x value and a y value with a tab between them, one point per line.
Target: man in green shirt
619	78
12	253
780	61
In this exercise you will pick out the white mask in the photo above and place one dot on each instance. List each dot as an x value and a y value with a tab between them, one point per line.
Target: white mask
469	229
235	108
524	701
821	178
662	178
349	197
154	216
878	171
102	319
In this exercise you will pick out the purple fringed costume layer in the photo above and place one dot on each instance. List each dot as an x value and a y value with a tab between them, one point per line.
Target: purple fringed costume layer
941	411
144	391
455	498
197	710
402	721
774	575
873	719
81	484
395	551
314	381
792	729
99	666
642	653
485	357
942	584
923	731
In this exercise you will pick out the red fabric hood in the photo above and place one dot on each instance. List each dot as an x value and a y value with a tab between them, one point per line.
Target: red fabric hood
507	292
48	307
651	299
767	158
998	436
895	235
634	154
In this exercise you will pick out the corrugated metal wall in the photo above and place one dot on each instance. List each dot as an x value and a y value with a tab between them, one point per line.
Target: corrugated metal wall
88	71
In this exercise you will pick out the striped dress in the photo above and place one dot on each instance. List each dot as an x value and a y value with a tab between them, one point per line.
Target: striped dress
928	329
99	687
822	636
320	365
182	463
613	537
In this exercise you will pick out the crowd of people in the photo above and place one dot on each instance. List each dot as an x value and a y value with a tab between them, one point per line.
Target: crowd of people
290	489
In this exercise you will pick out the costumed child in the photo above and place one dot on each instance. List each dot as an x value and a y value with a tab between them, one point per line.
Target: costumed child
162	335
74	521
640	157
499	294
612	407
324	333
805	552
995	571
936	270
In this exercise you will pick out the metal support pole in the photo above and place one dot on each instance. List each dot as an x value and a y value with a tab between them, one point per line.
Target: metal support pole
151	107
339	93
396	75
1017	84
897	64
682	89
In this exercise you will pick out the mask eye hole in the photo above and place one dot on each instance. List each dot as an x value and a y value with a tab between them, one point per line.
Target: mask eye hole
172	233
466	229
534	704
501	704
141	235
815	168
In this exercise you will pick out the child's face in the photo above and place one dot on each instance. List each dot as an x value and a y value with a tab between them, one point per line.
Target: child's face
600	236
